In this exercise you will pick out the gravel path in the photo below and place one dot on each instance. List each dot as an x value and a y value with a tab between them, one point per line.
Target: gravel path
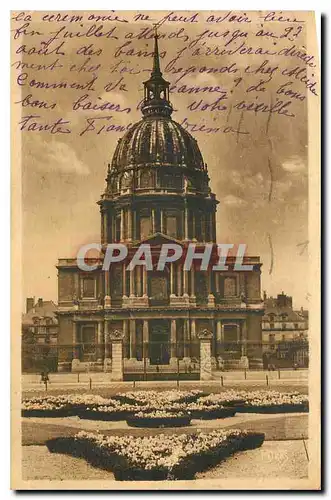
38	463
283	459
35	431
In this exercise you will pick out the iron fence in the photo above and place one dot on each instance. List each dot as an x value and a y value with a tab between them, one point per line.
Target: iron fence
164	356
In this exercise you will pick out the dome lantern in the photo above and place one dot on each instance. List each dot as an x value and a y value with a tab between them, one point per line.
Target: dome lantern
156	89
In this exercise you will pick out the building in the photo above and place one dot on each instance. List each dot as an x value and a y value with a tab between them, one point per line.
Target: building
284	332
39	335
157	191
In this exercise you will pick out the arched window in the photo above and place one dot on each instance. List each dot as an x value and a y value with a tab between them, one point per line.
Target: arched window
126	181
146	179
145	224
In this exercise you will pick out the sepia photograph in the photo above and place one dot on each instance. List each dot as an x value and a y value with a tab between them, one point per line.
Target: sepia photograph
166	221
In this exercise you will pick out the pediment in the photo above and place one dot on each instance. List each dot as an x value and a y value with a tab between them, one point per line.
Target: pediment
158	239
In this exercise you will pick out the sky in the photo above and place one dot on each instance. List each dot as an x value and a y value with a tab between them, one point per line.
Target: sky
260	176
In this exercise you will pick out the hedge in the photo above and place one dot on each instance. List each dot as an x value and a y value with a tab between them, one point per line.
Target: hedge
146	421
102	458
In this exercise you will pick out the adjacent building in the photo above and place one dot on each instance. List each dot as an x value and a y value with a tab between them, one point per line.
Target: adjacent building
158	191
284	332
39	335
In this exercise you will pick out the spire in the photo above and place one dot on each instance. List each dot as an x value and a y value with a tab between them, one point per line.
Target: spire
156	98
156	58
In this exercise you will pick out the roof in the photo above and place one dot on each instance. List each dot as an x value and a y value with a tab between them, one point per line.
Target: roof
46	310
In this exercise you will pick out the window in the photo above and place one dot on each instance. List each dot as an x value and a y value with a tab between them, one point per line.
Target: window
118	228
88	342
231	337
88	288
126	181
272	326
230	287
42	330
271	338
284	326
171	226
146	179
296	326
283	337
145	227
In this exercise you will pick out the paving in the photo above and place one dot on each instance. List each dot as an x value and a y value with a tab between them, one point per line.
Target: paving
275	427
275	459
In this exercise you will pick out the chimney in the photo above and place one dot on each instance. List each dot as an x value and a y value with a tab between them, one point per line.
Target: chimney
40	302
29	304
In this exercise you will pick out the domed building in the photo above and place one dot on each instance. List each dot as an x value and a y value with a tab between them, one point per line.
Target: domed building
158	191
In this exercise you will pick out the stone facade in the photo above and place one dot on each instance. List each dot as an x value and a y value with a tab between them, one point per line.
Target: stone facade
157	192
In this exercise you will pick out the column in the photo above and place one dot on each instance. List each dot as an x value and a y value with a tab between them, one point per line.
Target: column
192	282
126	338
244	339
211	298
185	283
102	213
187	340
116	338
145	338
106	340
74	341
153	220
194	350
145	288
105	221
173	341
193	329
107	300
161	222
217	282
179	280
122	225
219	333
186	222
124	279
205	338
129	232
211	227
193	225
75	351
139	289
214	226
172	279
132	327
132	282
100	342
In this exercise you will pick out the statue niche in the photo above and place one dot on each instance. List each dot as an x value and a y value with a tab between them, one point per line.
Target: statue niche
158	288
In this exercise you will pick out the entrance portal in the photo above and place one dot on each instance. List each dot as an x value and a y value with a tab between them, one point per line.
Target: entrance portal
159	342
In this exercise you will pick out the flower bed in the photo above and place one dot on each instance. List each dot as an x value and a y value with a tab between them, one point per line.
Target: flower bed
210	412
59	406
160	457
124	405
228	398
113	411
159	419
274	402
156	399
